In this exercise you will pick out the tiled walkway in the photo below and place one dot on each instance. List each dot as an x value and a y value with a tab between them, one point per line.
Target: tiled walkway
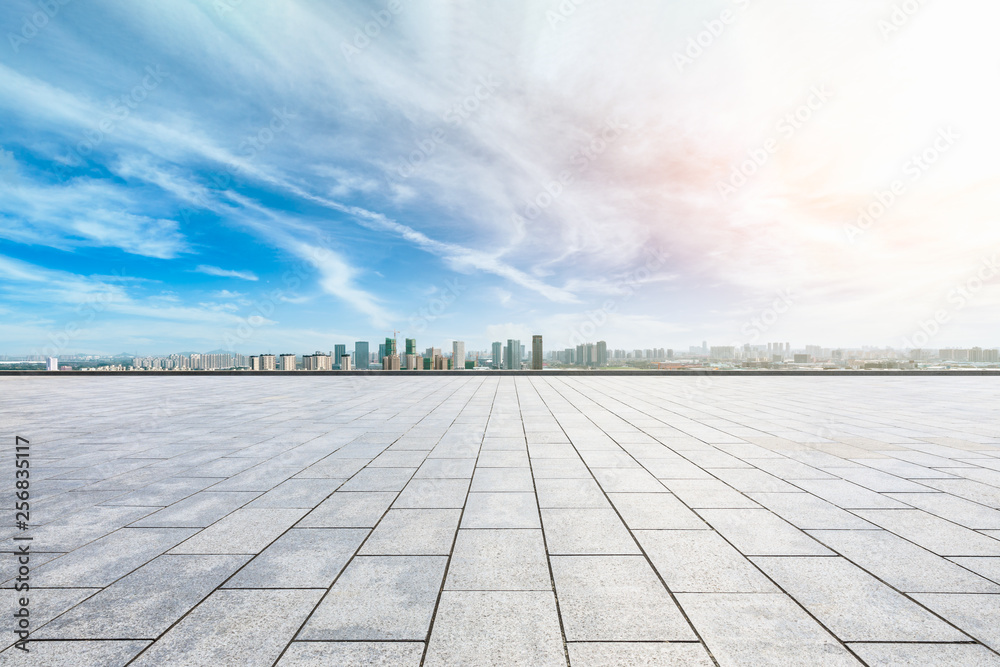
495	520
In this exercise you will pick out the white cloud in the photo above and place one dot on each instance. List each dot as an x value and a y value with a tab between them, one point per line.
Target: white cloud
226	273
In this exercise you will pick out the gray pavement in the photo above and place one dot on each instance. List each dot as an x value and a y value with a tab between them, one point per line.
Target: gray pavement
490	520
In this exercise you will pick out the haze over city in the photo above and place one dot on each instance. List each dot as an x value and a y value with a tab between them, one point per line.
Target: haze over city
328	173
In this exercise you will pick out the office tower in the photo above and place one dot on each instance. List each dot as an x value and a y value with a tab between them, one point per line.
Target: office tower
601	352
458	354
361	356
704	347
288	362
52	364
536	353
670	354
520	356
497	354
512	355
345	362
432	352
255	363
381	352
411	346
338	353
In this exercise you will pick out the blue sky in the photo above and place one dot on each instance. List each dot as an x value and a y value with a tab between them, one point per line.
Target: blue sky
267	177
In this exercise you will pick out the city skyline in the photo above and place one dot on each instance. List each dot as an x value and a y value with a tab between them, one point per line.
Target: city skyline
204	194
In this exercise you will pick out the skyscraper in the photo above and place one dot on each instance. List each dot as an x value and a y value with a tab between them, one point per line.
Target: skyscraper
288	362
512	355
411	346
361	356
458	355
602	353
390	346
497	354
338	353
536	353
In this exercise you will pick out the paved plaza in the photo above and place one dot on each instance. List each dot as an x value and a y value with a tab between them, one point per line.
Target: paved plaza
497	520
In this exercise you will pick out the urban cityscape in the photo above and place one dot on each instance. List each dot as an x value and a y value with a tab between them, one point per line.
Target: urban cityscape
514	355
533	333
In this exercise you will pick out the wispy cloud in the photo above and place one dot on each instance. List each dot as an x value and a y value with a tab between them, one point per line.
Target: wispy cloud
225	273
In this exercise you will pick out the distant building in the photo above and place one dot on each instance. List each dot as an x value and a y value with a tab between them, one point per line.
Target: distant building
288	362
601	353
512	354
338	353
267	362
536	353
411	346
390	362
345	362
458	354
255	363
317	362
497	354
52	364
361	356
801	358
414	362
723	352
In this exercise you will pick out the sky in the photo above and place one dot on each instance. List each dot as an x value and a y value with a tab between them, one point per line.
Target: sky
260	177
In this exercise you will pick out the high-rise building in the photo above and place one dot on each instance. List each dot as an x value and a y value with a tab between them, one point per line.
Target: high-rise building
497	354
390	346
338	353
52	364
536	353
458	354
411	346
316	362
414	362
255	363
267	362
390	362
361	356
345	362
512	354
601	352
288	362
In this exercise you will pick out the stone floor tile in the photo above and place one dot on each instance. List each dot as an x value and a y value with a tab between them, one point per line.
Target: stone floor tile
379	598
498	560
496	628
244	627
615	598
